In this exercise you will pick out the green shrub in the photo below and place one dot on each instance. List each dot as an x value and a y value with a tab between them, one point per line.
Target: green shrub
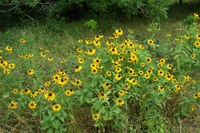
153	9
91	24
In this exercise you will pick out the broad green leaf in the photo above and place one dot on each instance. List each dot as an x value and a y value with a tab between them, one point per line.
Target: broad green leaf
56	124
50	130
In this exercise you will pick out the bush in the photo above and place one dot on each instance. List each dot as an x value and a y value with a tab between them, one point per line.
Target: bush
109	83
152	9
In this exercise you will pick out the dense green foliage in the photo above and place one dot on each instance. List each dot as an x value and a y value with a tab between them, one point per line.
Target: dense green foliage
153	9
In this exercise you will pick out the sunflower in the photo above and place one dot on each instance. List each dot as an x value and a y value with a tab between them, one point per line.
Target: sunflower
108	73
160	72
162	61
119	31
13	105
193	108
11	66
76	82
169	34
49	58
78	50
155	79
130	45
63	81
93	65
177	88
118	76
118	69
94	70
9	49
95	117
119	101
141	46
97	60
61	72
22	40
30	72
50	96
142	64
97	43
169	66
148	60
32	105
101	95
78	68
168	77
56	78
88	42
132	81
150	42
69	92
121	58
30	55
187	36
97	38
26	91
141	72
56	107
91	51
121	93
106	85
63	61
161	89
46	50
99	66
193	56
197	36
197	43
42	54
15	91
149	71
33	94
41	90
196	95
159	65
80	60
147	76
80	41
47	84
133	56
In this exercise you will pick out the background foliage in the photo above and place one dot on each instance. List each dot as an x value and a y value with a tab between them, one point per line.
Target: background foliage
153	9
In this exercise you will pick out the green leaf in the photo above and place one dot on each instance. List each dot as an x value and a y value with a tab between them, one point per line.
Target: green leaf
64	114
62	118
50	112
57	114
176	56
46	118
45	126
50	130
35	114
52	118
56	124
57	131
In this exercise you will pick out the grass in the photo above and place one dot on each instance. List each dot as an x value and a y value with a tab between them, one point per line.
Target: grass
60	38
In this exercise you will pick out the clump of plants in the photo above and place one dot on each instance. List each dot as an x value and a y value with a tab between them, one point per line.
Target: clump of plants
118	82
